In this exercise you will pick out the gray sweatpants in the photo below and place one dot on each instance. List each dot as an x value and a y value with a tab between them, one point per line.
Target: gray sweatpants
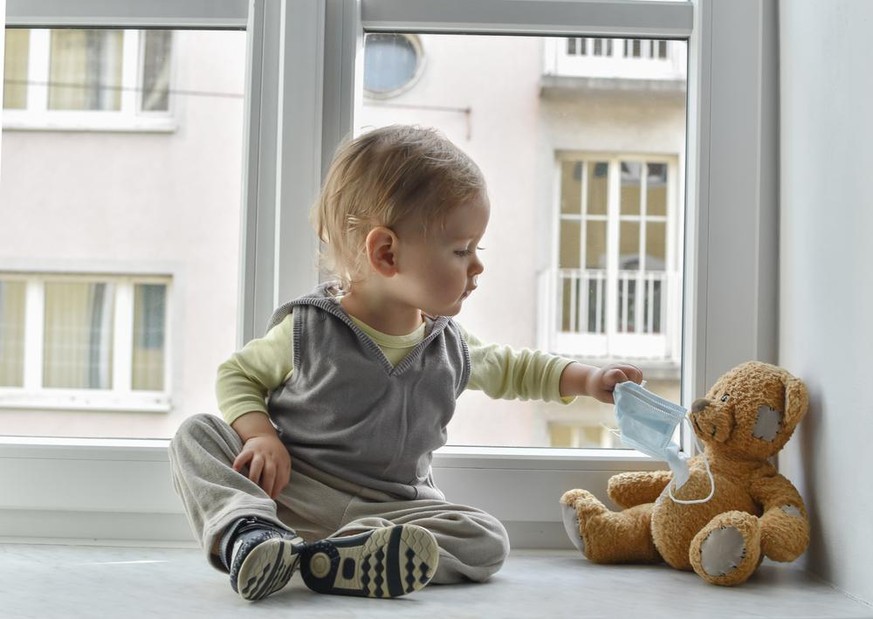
473	544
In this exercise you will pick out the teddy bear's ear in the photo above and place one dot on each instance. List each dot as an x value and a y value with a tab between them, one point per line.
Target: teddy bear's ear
796	401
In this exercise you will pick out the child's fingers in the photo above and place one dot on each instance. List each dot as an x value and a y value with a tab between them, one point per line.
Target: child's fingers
613	377
256	466
633	373
242	460
623	373
268	480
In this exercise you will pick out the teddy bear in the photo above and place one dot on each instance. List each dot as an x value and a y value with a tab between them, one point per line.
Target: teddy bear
754	512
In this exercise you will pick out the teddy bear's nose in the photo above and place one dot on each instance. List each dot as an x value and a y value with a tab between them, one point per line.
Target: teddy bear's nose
699	405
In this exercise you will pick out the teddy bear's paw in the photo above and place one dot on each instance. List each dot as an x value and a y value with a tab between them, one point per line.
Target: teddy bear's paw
571	526
578	507
728	550
583	503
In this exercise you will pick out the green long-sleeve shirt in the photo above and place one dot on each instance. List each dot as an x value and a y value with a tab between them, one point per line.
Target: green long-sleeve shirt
264	364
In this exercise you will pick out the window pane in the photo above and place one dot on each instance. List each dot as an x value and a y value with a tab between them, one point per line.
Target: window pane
150	220
571	237
78	335
656	245
595	245
15	69
630	187
629	246
547	120
656	189
149	318
598	188
12	333
85	70
156	56
571	187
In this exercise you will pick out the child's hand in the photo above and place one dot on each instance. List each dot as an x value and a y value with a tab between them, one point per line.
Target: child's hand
603	380
580	379
268	462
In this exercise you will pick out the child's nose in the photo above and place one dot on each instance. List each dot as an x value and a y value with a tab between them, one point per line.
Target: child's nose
476	267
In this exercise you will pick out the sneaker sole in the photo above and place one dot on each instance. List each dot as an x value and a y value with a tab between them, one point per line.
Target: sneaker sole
267	568
383	563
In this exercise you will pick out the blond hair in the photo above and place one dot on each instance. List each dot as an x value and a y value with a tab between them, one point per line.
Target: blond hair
386	177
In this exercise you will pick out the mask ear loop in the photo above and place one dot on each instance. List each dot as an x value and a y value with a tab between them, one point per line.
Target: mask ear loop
708	474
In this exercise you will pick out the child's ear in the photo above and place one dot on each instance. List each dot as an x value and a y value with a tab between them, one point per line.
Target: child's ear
381	251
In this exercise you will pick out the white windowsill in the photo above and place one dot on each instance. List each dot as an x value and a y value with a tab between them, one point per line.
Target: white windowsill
450	456
85	122
78	401
120	491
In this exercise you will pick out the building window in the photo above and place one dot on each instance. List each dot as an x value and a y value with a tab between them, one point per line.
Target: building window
83	341
615	286
90	79
392	63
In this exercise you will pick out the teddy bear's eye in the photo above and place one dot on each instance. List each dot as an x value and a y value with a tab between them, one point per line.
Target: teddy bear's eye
725	398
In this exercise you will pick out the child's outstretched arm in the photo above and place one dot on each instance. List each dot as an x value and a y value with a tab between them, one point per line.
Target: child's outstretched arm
265	456
581	379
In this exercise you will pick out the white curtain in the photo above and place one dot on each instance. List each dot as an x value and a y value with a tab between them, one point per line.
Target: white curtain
85	70
78	335
12	334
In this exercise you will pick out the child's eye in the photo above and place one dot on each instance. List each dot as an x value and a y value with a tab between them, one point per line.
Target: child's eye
463	253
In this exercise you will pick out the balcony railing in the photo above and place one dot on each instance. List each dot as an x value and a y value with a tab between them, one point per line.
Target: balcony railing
633	59
585	313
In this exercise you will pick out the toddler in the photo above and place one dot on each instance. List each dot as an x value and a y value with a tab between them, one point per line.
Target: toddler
354	385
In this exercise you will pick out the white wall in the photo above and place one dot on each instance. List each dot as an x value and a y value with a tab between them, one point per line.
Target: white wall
826	323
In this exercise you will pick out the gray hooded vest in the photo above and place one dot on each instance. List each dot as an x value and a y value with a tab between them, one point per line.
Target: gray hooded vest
347	411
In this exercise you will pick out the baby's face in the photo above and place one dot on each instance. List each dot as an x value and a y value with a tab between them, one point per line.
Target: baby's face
438	270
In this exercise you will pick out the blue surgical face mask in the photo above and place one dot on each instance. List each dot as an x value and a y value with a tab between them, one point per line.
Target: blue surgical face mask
647	423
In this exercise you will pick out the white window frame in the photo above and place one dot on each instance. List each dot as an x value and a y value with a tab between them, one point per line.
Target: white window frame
121	396
37	116
300	103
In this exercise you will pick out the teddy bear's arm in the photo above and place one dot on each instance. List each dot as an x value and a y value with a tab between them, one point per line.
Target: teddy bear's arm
784	521
637	488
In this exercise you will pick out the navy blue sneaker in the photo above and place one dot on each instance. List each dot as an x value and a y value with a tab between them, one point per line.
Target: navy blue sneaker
382	563
260	556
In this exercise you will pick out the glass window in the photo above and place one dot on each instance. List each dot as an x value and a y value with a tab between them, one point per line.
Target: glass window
89	79
391	63
583	242
643	253
77	332
119	280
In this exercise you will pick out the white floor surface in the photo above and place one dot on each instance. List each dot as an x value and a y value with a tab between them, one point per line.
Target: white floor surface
48	581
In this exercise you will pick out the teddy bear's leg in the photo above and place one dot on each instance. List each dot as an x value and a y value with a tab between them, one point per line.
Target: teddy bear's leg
728	549
604	536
